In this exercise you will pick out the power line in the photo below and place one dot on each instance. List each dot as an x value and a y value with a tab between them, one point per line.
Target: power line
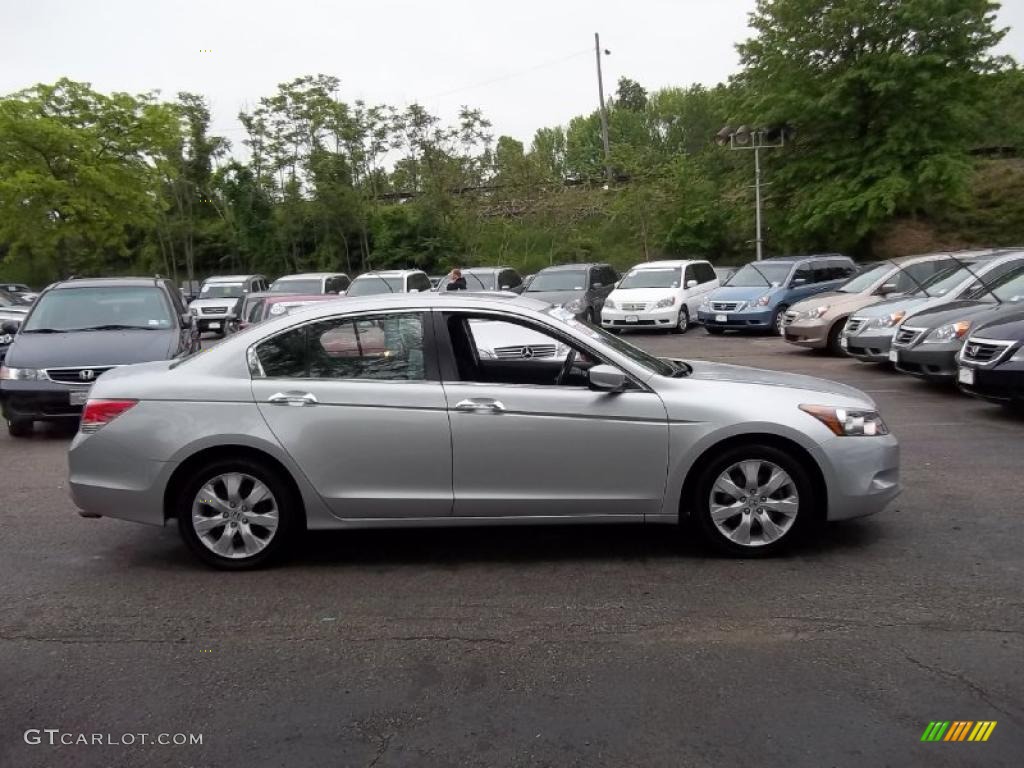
510	75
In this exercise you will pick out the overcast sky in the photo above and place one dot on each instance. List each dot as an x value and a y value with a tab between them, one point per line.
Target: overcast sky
525	63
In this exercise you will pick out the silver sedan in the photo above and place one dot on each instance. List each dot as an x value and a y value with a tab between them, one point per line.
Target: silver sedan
384	412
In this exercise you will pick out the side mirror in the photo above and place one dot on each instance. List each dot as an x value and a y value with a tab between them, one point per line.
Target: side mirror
606	378
505	287
692	283
10	326
414	290
798	281
886	289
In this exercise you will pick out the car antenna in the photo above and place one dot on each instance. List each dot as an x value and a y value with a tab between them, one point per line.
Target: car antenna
973	274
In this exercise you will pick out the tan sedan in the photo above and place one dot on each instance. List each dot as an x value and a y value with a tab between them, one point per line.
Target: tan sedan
818	322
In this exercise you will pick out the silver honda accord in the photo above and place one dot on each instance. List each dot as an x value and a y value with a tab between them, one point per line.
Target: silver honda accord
392	410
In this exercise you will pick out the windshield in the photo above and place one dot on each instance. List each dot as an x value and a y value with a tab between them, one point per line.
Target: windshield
221	291
755	276
1009	288
475	281
305	287
863	281
652	278
368	285
637	355
101	308
559	280
947	280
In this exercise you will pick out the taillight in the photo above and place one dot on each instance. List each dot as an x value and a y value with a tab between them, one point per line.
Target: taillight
99	413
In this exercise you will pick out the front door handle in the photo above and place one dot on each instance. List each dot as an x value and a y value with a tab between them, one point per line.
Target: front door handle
293	398
484	404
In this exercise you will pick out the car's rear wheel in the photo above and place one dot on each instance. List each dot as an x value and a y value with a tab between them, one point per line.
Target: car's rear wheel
752	501
236	514
683	321
714	331
19	427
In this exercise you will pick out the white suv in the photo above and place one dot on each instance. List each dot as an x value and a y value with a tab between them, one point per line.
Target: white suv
659	294
389	281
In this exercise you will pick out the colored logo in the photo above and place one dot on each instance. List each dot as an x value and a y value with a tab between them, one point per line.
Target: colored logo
958	730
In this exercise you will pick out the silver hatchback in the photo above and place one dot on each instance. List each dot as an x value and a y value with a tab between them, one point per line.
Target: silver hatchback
386	411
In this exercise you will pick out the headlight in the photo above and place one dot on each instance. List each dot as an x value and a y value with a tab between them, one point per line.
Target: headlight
575	306
888	321
813	314
847	422
20	374
706	304
194	310
670	301
951	332
610	304
762	301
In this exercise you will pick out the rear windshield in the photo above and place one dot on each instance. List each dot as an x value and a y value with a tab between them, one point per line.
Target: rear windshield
101	308
559	280
369	285
475	281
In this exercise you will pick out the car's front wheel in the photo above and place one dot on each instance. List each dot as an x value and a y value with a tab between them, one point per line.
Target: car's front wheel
236	514
779	321
682	322
19	427
752	500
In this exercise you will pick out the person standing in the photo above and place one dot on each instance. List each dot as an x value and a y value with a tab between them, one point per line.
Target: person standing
456	282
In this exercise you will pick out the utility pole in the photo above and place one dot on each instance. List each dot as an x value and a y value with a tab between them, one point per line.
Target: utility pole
604	112
759	241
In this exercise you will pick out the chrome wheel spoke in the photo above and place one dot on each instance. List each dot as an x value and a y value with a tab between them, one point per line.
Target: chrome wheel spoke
787	507
776	481
721	513
231	486
740	515
770	530
741	533
204	525
250	542
725	485
263	521
259	493
208	496
750	470
225	545
235	530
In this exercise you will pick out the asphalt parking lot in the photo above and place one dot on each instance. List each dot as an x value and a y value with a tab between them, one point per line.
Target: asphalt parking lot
530	647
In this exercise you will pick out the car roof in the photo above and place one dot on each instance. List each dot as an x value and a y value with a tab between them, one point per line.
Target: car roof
666	263
803	257
277	298
231	278
98	282
309	275
563	267
389	273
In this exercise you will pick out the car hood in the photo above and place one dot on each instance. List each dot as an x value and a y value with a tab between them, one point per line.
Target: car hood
907	304
740	374
952	312
729	293
642	295
1006	327
213	303
555	297
98	348
837	301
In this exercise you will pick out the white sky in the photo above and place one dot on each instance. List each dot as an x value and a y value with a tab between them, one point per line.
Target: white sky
536	57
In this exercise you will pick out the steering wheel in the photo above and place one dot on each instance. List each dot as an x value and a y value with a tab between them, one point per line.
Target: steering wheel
563	375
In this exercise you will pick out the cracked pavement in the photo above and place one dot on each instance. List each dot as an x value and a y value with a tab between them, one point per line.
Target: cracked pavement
618	646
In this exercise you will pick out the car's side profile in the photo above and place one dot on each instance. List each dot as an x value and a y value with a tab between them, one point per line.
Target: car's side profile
381	412
659	294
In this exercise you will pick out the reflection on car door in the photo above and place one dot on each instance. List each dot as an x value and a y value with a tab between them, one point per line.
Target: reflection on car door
359	407
549	451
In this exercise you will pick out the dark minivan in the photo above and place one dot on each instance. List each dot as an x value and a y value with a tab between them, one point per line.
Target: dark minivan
579	288
79	329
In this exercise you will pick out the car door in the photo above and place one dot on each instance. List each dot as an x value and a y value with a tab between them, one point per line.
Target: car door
523	445
691	296
357	403
801	284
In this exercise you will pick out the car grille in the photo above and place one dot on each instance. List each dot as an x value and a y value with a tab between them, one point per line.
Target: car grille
727	306
984	351
633	307
524	352
854	324
906	336
74	375
214	310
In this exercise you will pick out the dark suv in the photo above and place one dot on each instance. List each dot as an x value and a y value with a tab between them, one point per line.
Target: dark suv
579	288
79	329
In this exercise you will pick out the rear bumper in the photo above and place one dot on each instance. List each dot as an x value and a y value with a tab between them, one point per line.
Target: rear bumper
938	364
738	321
39	401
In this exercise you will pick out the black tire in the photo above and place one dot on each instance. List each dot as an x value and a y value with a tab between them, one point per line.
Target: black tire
776	328
289	508
714	331
700	503
835	333
19	427
683	322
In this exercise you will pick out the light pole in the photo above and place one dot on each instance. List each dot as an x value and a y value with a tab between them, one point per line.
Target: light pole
756	139
604	112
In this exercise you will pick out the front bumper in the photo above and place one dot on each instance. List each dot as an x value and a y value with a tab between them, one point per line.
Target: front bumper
757	320
213	322
871	347
666	317
1003	384
864	475
40	401
808	333
934	362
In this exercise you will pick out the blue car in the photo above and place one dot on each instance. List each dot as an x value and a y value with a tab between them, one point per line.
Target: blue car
757	296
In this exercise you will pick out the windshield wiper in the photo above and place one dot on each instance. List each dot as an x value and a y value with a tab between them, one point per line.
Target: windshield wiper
118	327
978	279
762	274
45	330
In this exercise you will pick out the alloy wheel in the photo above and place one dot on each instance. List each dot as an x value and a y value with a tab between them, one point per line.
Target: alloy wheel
754	503
235	515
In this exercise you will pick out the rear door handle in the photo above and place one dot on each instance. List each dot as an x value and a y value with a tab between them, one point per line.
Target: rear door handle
484	404
293	398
